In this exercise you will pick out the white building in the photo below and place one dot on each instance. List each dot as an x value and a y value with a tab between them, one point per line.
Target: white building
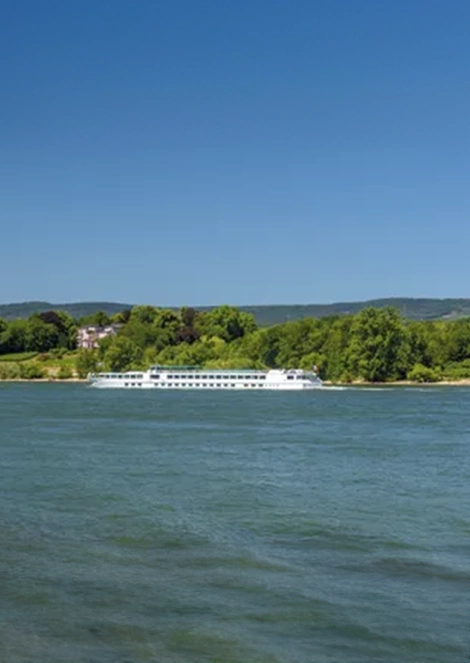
88	337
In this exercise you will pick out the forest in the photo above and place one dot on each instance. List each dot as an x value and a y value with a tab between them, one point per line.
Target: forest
374	345
267	314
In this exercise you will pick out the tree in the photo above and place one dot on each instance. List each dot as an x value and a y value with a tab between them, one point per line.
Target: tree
99	318
64	324
300	339
122	354
188	332
458	341
378	348
143	314
87	361
226	322
334	365
12	339
40	336
122	317
143	335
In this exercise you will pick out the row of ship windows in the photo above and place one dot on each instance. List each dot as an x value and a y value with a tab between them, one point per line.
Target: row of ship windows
118	376
210	377
192	384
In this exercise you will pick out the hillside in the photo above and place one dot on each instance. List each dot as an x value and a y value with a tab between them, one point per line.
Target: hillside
414	309
76	309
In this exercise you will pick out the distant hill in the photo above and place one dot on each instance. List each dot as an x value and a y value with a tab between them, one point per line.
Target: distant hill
414	309
76	309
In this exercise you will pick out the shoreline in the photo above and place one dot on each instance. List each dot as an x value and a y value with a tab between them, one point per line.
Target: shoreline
465	382
43	380
359	383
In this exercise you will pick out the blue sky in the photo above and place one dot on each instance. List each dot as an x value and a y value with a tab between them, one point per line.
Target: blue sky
251	152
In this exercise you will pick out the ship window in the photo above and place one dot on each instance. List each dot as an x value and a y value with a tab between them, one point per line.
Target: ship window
262	377
290	377
155	377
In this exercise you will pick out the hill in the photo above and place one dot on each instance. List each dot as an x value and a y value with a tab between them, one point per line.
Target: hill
76	310
413	309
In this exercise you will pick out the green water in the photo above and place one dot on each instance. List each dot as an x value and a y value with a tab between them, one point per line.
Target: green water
194	527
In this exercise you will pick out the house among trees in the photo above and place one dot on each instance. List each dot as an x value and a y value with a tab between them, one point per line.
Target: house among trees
89	336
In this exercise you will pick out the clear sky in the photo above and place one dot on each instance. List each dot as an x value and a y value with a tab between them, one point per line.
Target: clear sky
234	151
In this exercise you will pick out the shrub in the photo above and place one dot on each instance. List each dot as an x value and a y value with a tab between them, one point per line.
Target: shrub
64	373
457	370
9	371
420	373
32	371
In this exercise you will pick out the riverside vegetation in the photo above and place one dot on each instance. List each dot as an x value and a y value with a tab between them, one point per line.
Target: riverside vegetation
374	345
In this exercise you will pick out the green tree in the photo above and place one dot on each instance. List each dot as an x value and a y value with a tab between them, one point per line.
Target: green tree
12	339
122	317
378	348
40	336
99	318
141	334
458	341
66	328
87	361
143	314
122	355
299	340
334	365
226	322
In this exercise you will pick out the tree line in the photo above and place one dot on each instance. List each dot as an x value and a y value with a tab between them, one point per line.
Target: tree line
374	345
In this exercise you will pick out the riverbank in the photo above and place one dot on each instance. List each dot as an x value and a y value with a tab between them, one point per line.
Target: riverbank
44	380
401	383
326	383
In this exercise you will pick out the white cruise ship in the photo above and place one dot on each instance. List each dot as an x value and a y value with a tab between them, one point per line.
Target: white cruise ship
190	377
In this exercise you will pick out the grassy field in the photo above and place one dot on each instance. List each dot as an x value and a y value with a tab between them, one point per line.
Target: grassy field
18	356
31	365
